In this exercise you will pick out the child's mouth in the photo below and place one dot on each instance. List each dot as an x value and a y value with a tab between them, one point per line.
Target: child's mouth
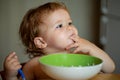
72	35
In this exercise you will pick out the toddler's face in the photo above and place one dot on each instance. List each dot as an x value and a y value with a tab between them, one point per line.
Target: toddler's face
59	30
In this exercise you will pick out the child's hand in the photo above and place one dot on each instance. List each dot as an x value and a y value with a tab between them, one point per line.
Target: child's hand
11	66
80	45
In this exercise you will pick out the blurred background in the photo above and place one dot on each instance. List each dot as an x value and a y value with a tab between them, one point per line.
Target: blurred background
91	17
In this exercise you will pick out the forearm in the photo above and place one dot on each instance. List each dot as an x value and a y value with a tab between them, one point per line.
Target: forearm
108	64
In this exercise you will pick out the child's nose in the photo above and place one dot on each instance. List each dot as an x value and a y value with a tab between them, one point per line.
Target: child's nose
69	28
72	29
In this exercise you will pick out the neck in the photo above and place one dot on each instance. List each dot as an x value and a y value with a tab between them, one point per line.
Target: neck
51	51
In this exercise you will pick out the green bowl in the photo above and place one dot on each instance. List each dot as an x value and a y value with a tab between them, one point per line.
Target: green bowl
70	66
68	60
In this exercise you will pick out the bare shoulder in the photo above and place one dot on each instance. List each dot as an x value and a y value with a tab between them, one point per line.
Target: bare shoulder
32	62
33	70
29	68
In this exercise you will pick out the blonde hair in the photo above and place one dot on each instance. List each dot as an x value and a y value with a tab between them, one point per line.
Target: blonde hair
29	28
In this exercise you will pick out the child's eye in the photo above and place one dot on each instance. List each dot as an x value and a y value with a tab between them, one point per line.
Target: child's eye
70	23
59	26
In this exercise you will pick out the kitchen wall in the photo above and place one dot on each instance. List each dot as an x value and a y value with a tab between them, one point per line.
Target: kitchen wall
85	15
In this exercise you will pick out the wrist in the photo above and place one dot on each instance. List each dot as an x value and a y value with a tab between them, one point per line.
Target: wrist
9	76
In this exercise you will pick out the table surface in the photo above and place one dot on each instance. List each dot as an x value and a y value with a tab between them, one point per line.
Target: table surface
106	77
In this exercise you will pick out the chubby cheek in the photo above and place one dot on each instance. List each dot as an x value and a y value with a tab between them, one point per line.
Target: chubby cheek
60	41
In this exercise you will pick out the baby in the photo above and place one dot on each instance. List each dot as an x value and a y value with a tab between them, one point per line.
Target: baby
45	30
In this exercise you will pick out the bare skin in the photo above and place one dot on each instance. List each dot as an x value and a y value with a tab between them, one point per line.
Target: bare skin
11	66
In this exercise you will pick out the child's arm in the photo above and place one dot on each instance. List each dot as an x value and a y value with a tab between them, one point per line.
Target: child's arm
84	46
11	66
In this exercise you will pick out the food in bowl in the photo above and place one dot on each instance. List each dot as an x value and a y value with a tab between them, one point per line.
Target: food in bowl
64	66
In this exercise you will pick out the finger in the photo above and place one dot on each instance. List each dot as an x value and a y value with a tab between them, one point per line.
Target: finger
74	45
13	60
80	50
16	63
10	56
75	38
13	65
77	50
16	66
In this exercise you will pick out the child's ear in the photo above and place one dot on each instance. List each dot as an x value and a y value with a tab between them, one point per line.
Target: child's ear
39	42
